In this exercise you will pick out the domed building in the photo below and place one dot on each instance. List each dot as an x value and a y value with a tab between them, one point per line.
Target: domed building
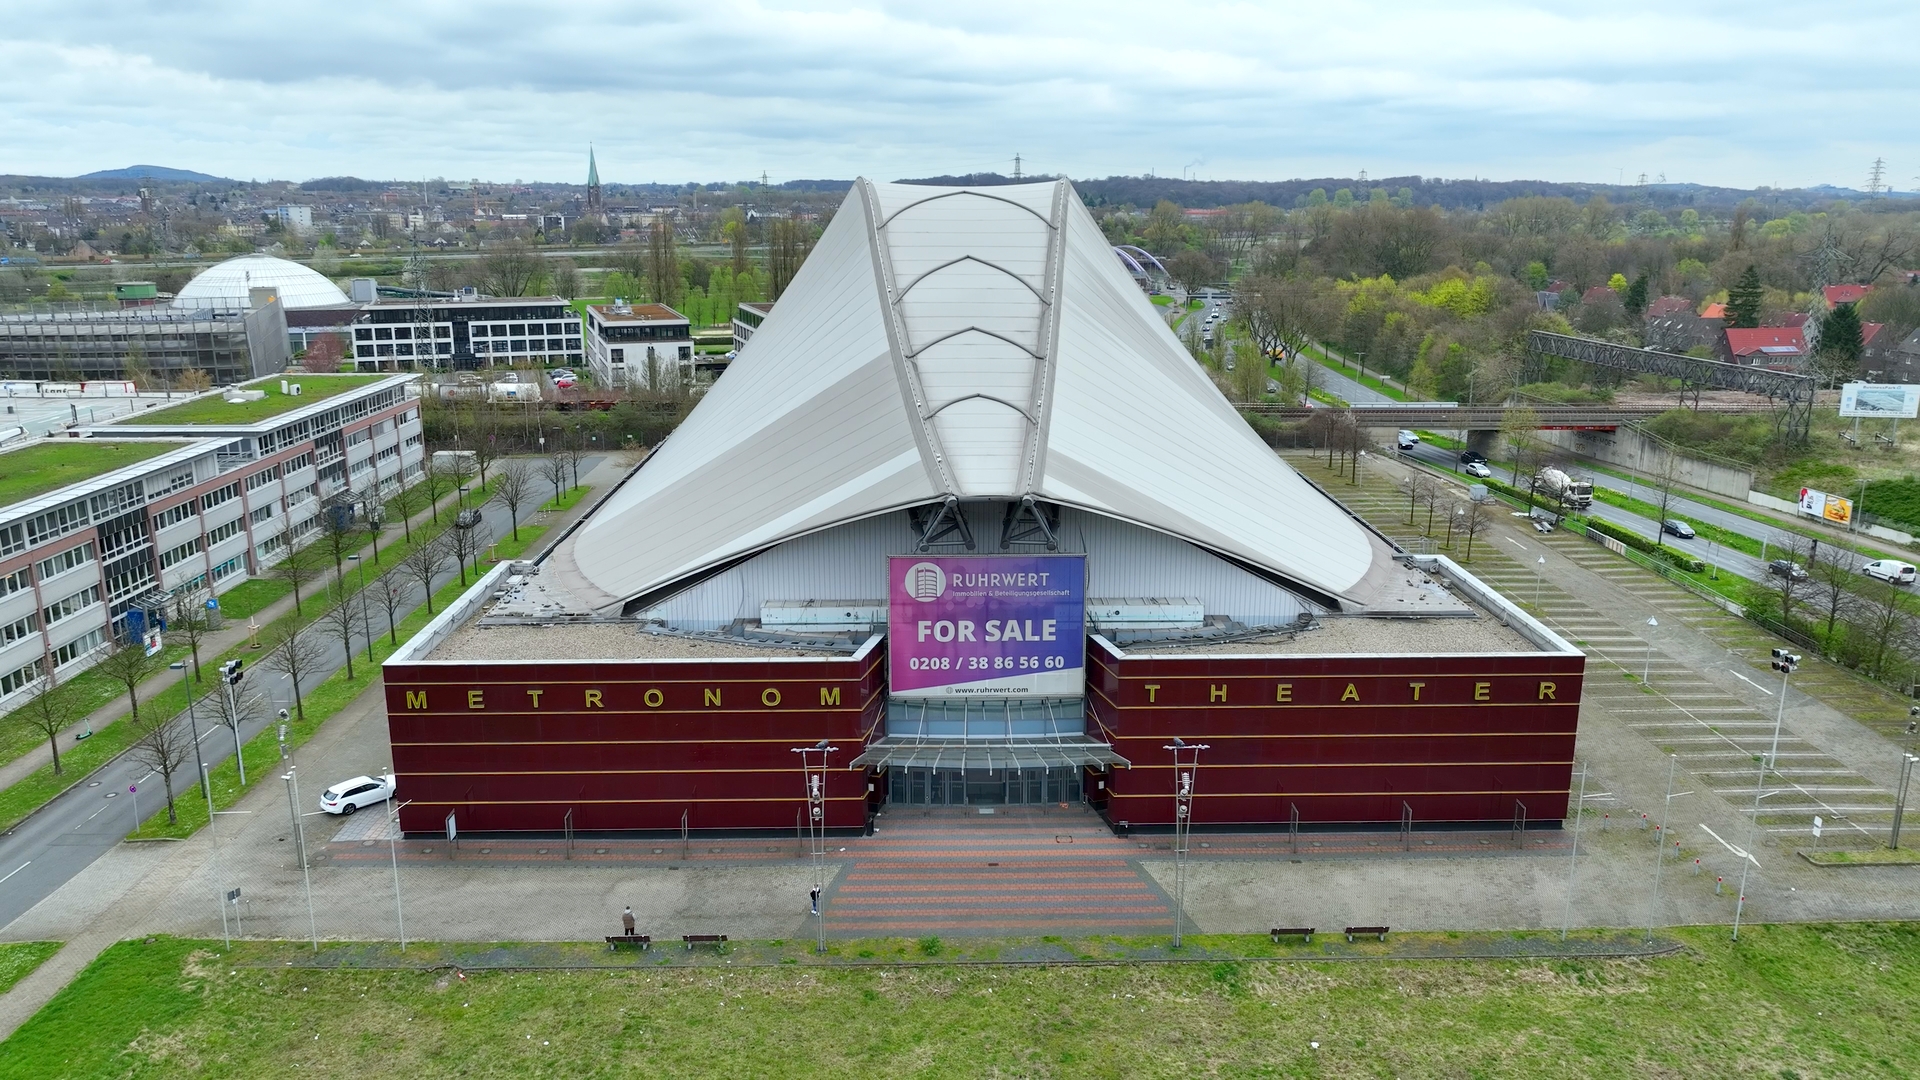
228	285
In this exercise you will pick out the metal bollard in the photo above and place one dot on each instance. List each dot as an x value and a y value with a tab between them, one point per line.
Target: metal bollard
1717	883
1644	822
1696	868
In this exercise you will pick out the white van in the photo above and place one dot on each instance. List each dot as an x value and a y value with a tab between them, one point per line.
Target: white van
1891	571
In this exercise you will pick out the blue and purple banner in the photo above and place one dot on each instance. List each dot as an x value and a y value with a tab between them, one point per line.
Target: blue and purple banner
987	625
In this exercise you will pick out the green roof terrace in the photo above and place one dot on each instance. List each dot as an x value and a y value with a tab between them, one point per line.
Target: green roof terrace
215	410
42	467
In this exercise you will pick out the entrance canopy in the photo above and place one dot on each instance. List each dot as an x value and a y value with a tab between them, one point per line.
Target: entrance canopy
897	752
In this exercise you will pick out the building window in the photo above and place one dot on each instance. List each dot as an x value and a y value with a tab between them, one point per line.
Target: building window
19	628
184	551
262	514
77	648
173	515
363	350
65	561
232	566
71	605
13	538
383	333
15	582
225	532
517	330
363	334
14	680
214	498
480	330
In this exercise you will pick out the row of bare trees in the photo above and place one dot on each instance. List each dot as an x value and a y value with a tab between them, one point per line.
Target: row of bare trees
1444	505
1859	621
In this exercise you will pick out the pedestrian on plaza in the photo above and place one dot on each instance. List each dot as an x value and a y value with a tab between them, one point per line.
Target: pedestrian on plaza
626	921
813	900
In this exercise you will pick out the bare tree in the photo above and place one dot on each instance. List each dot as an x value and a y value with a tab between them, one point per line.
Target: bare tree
465	546
406	502
1473	523
339	621
1833	572
391	592
164	748
296	571
188	619
338	536
484	455
1792	578
1416	484
571	451
554	468
295	654
433	484
1666	481
512	268
513	489
48	714
1882	626
459	469
424	563
129	666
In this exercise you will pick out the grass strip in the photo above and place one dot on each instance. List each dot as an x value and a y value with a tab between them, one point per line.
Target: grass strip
321	701
1724	537
18	959
1784	1001
82	695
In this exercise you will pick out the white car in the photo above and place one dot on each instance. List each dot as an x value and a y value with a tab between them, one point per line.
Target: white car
1891	571
1408	438
349	795
1477	469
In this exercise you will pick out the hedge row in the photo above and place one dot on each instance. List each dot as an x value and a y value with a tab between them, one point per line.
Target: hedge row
1520	495
1640	543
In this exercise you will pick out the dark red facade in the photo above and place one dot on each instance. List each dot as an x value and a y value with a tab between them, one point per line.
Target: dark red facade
628	744
633	745
1340	739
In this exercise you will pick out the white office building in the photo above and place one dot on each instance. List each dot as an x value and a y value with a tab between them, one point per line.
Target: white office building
644	345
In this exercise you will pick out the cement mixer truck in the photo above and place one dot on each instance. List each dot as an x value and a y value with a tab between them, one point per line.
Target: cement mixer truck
1572	493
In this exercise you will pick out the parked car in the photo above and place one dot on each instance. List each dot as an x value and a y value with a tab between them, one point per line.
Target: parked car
565	382
1676	527
1891	571
1477	470
1787	568
1472	457
349	795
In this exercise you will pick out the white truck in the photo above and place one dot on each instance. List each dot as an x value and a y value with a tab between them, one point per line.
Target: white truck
1555	484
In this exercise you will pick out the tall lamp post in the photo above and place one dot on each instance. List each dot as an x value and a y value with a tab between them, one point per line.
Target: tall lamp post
1784	662
193	727
815	779
1646	668
1186	762
1539	575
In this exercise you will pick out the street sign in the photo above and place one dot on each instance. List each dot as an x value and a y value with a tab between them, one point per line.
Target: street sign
233	896
212	604
1817	826
452	832
131	789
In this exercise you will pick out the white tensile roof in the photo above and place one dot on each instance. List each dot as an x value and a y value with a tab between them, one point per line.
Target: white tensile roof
228	286
980	343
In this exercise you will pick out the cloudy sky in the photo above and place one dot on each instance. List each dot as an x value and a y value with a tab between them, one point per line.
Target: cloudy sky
1775	92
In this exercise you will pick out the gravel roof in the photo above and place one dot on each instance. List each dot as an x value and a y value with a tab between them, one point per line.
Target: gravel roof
594	641
1360	634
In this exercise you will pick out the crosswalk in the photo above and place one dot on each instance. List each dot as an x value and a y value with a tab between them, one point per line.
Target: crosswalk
1716	738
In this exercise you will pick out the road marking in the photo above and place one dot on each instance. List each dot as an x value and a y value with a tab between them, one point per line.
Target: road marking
1514	542
17	869
1751	683
1730	847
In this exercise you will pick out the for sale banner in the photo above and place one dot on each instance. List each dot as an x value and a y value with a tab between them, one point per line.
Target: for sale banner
987	625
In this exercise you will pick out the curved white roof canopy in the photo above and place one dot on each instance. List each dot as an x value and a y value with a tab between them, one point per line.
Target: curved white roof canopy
975	343
228	286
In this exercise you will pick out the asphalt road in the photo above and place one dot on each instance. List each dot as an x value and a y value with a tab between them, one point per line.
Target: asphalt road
1735	562
68	834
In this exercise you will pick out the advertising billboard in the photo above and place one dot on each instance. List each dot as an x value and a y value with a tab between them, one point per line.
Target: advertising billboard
1826	507
987	625
1891	401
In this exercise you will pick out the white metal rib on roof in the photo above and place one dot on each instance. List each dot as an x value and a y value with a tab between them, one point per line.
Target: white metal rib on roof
982	343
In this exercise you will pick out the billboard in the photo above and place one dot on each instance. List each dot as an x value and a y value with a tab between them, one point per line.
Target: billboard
987	625
1894	401
1826	507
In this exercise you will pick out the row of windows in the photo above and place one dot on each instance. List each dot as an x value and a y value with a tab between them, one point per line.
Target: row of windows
108	503
77	648
19	628
398	333
263	477
13	538
68	606
74	556
15	582
181	553
235	565
214	498
271	544
225	532
14	680
444	349
296	464
523	329
532	345
57	522
261	514
179	478
173	515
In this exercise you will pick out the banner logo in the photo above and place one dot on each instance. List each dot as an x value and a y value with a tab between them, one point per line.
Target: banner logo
926	582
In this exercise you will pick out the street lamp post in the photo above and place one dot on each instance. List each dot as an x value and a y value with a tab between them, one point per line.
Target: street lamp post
1573	859
1646	668
193	728
815	785
300	846
1186	762
1539	575
1906	778
1660	849
1784	662
393	852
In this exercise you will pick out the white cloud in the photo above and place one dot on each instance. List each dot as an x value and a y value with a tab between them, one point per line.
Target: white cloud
1714	92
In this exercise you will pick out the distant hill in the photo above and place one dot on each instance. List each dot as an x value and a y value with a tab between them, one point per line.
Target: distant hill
154	172
342	183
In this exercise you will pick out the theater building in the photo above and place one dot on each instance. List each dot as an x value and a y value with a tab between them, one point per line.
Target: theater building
966	511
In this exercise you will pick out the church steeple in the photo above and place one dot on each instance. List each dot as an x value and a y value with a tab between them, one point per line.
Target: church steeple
593	183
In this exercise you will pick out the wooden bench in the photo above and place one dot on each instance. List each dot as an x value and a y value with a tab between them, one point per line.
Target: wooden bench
1278	932
1377	931
715	940
614	941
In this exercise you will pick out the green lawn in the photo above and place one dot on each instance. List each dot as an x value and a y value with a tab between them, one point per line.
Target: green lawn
214	409
251	597
1785	1001
19	958
49	466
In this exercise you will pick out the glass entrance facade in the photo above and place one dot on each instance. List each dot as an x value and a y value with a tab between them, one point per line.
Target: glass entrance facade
982	787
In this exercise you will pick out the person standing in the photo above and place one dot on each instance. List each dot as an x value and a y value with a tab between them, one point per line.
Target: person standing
626	921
